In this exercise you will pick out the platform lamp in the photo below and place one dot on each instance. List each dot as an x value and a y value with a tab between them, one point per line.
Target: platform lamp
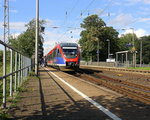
108	47
36	37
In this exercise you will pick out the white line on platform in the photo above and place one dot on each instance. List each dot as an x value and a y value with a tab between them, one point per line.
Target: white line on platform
100	107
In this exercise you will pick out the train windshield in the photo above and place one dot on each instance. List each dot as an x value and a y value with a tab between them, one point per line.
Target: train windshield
70	52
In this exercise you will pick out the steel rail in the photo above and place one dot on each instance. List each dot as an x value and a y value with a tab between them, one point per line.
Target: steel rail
119	89
116	85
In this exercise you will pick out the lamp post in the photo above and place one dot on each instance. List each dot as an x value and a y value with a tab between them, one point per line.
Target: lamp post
122	59
36	37
133	49
133	36
97	51
141	50
108	47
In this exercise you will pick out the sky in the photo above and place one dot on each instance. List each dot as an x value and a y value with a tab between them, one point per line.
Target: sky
65	16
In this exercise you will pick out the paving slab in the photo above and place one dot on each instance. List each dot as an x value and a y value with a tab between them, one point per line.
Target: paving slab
47	99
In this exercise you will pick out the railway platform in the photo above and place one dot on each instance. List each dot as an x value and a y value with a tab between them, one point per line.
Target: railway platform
56	95
47	99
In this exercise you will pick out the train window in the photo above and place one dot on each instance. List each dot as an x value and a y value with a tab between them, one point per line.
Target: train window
58	53
70	52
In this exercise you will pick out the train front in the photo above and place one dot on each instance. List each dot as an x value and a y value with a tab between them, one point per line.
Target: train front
71	55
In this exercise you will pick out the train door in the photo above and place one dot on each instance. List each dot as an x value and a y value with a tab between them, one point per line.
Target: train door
58	53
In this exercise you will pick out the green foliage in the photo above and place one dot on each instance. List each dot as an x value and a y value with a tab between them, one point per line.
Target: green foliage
32	25
145	49
96	32
92	21
127	39
1	93
1	56
25	42
22	89
4	115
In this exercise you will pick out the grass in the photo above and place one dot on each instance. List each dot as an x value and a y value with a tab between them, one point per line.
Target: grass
1	69
4	115
7	68
140	68
1	80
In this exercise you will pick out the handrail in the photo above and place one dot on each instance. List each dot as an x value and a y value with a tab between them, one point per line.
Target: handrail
10	47
20	70
14	72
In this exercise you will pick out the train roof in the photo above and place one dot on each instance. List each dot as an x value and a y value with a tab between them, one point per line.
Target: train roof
63	45
68	45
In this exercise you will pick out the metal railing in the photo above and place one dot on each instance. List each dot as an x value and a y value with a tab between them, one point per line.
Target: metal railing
108	64
12	79
113	64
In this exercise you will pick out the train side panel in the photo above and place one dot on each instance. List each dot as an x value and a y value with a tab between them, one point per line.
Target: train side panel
58	57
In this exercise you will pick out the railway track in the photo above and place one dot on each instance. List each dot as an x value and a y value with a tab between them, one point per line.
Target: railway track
117	69
132	90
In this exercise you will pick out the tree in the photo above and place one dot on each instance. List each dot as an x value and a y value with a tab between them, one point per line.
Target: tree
126	42
94	37
145	49
109	33
25	42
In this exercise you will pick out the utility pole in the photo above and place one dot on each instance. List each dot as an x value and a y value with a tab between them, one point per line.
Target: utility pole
133	49
6	21
6	36
108	47
37	37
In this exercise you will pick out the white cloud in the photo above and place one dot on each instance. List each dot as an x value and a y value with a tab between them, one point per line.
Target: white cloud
52	38
14	11
117	3
139	32
144	9
13	0
99	12
139	1
144	20
1	37
122	20
49	23
75	32
15	25
145	1
15	35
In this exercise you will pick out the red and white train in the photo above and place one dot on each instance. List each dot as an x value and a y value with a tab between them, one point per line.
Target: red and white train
65	56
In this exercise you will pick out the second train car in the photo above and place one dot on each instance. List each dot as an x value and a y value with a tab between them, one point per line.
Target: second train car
65	56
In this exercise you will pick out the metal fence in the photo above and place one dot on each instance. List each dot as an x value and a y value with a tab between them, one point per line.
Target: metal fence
15	67
113	64
108	64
